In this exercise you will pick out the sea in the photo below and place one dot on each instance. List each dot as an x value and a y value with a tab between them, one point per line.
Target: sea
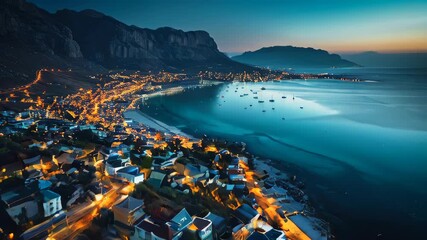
359	147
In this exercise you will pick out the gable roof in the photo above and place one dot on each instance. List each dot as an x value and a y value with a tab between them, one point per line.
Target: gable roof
245	213
33	160
158	229
48	195
129	204
180	221
156	179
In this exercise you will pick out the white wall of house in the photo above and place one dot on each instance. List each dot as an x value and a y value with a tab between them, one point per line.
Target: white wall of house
132	178
52	206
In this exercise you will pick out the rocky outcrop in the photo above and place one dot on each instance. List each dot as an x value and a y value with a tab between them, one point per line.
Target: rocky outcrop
117	45
31	38
24	24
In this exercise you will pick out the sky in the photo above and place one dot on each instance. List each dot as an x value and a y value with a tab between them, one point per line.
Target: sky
339	26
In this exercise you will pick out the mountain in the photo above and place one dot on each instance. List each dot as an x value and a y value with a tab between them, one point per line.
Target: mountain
113	44
375	59
280	57
32	38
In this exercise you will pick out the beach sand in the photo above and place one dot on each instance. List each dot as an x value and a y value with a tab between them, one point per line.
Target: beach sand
150	122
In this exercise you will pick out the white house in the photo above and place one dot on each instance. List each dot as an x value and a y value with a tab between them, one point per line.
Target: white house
131	173
51	202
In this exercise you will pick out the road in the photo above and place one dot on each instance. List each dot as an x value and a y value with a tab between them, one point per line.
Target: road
26	86
77	219
80	218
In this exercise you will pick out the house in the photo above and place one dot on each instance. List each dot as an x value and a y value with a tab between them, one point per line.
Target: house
192	171
64	157
111	167
131	174
247	215
127	211
69	193
51	202
266	232
179	222
218	223
26	210
33	162
148	228
156	179
200	229
164	224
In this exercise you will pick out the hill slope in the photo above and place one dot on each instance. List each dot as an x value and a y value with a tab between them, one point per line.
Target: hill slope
31	39
280	57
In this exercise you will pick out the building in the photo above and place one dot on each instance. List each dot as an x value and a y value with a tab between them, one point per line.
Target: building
164	224
131	174
200	229
51	202
218	223
156	179
127	211
247	215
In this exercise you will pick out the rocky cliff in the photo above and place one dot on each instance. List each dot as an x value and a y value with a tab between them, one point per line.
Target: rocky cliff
31	38
23	24
116	45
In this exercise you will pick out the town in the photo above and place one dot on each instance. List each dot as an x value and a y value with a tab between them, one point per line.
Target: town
81	165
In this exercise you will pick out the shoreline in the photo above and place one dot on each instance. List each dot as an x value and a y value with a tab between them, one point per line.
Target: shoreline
298	208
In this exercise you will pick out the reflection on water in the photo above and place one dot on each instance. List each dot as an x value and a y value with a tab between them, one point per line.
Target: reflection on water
361	147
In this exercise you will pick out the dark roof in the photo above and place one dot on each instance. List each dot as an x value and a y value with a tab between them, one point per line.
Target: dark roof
10	158
49	195
158	229
133	170
273	234
181	220
245	213
218	222
156	179
257	236
201	223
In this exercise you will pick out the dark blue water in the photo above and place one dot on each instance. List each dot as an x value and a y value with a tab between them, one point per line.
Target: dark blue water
361	147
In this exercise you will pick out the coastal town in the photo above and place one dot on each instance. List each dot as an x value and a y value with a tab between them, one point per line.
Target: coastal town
90	165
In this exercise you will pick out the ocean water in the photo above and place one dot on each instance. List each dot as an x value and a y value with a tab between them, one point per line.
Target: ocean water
360	147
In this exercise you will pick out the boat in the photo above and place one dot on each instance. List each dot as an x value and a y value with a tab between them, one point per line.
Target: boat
250	105
301	107
272	108
263	110
260	101
271	100
283	96
255	97
263	88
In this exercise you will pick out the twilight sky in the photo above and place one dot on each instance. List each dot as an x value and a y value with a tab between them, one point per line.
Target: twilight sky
242	25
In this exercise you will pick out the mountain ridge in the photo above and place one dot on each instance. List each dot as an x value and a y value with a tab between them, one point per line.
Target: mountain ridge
32	38
280	57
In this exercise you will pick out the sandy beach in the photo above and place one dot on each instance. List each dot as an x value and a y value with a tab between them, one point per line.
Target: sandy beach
142	118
